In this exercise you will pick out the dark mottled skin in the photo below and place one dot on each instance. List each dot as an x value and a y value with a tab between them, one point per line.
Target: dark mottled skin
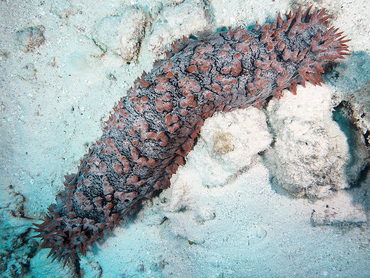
152	129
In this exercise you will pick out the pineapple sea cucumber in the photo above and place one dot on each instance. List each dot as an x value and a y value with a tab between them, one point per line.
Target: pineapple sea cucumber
155	126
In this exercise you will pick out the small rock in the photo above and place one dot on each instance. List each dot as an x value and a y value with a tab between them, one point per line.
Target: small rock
64	9
28	72
91	268
260	232
30	38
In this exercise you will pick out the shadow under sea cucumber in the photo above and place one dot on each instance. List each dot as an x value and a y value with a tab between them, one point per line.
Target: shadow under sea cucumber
155	126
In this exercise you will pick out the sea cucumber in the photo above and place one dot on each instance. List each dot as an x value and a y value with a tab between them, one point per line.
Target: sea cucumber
155	126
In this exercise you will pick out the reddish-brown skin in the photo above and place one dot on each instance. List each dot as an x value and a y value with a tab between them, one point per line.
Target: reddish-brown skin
152	130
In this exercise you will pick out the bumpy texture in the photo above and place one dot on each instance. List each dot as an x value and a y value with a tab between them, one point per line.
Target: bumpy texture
151	130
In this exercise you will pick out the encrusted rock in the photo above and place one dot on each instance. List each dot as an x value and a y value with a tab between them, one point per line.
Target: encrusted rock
232	148
122	33
337	211
310	152
190	18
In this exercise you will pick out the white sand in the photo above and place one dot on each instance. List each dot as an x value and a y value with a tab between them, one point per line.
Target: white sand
224	215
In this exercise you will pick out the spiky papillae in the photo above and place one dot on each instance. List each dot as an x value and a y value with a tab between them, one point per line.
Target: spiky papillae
154	127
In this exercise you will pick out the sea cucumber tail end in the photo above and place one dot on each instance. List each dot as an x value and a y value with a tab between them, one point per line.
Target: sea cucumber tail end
65	233
325	45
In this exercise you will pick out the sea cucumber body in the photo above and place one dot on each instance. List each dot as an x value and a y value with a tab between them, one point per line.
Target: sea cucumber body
155	126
